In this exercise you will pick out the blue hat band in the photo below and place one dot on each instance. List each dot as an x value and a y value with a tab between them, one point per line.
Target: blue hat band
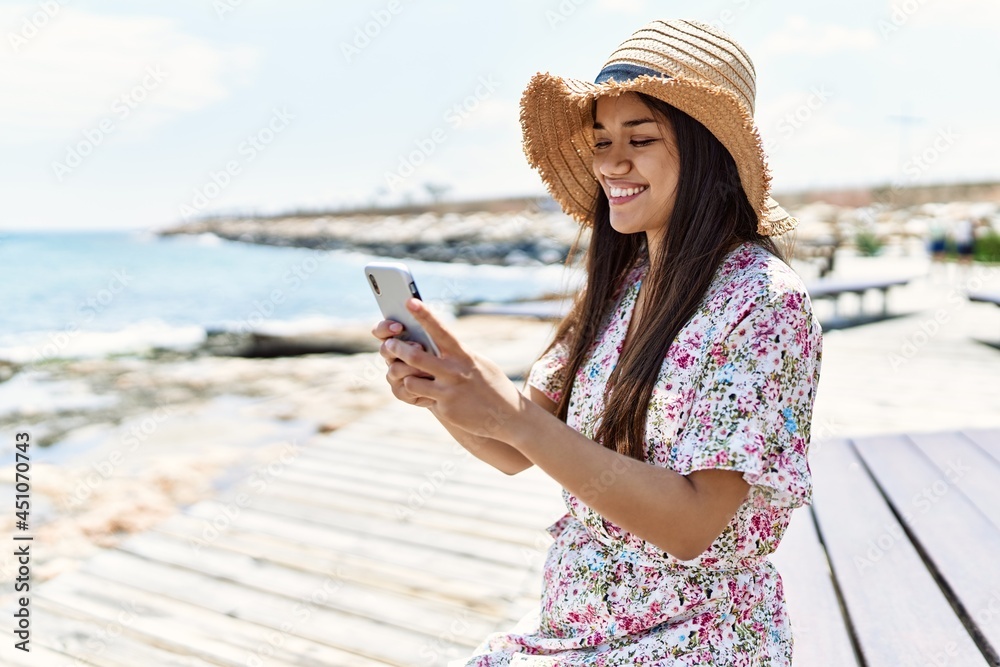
622	72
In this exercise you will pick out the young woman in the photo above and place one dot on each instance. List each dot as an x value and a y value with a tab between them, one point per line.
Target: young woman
674	403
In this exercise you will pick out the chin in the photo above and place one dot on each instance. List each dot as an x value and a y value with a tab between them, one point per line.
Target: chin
626	226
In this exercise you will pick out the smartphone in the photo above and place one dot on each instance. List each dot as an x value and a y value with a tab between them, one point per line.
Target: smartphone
392	284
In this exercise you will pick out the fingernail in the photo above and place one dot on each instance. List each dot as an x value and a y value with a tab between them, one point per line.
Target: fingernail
396	327
413	304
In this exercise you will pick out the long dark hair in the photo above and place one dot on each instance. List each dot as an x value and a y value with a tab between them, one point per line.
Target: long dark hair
710	214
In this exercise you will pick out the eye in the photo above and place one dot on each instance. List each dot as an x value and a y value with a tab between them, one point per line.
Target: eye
636	142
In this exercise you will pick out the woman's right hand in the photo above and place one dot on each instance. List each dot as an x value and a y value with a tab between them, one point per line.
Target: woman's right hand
398	370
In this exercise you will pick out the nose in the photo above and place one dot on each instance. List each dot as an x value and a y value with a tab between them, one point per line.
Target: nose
612	163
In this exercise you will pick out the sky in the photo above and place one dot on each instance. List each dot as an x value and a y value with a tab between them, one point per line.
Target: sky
126	115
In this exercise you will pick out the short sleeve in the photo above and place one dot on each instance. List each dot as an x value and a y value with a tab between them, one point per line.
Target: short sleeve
547	374
752	410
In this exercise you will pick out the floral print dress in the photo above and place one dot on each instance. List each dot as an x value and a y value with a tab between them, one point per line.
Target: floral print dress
736	392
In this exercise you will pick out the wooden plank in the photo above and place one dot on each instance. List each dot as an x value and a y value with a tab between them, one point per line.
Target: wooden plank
41	656
367	499
480	595
163	622
430	516
899	615
967	466
375	641
449	486
413	500
987	439
107	643
961	541
820	632
348	451
428	557
468	545
401	610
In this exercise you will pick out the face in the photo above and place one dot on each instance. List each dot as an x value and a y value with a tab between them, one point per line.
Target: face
637	163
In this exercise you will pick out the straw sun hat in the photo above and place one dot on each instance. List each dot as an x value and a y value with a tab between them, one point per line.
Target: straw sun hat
690	65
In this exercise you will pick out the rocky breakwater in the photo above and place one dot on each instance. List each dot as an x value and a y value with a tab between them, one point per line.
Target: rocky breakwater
505	238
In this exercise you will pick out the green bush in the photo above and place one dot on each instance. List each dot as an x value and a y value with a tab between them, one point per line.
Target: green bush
988	247
867	243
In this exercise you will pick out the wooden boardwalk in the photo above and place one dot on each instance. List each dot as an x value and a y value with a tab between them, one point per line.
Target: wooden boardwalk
384	543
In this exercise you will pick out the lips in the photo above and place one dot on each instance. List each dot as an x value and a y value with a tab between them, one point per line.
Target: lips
618	196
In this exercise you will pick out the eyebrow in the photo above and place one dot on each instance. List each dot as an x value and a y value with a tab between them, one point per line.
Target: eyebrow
628	123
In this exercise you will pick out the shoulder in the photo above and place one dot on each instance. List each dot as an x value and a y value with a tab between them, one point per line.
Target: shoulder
751	280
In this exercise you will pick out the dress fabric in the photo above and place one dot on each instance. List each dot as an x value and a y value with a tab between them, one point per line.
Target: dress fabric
736	392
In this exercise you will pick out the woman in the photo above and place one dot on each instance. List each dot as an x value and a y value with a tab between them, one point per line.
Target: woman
674	403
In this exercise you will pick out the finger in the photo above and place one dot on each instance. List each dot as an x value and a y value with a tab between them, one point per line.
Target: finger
387	329
445	342
400	369
414	355
421	387
387	354
405	396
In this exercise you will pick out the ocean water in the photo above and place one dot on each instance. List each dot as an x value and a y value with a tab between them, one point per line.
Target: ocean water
92	293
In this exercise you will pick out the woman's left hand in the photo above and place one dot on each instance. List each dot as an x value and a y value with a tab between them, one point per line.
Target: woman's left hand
467	390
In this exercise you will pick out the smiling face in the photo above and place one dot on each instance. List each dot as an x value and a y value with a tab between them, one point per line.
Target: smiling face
637	163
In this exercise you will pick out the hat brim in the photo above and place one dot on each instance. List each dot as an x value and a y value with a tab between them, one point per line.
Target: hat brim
558	138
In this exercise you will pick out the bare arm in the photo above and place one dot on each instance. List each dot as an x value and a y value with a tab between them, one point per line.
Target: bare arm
498	454
681	514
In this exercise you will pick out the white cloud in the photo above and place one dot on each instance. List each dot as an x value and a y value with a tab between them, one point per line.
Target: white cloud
66	75
799	36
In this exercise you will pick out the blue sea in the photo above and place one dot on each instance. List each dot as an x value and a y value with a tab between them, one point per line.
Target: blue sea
71	294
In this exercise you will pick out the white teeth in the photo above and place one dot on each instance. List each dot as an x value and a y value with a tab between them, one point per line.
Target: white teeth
626	192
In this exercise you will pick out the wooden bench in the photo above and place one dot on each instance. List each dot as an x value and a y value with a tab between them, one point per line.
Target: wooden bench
984	297
895	563
832	289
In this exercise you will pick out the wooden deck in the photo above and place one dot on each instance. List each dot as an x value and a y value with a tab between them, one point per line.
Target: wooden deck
385	544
